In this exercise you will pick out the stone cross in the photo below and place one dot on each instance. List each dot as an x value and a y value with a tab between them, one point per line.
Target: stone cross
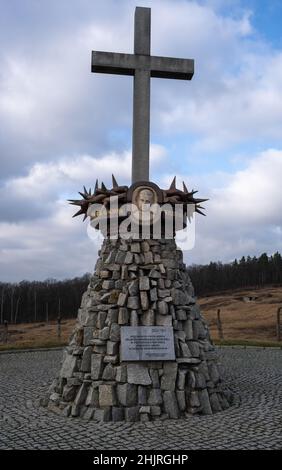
142	66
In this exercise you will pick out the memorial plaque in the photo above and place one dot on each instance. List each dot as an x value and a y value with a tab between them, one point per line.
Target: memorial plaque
147	343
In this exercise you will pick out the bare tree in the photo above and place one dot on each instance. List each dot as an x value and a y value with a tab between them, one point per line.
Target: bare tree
17	308
12	303
2	304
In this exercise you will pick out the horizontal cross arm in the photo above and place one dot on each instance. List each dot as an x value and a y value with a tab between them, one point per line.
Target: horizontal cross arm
126	64
168	67
113	62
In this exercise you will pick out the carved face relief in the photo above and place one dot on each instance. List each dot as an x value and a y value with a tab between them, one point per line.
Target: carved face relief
142	199
145	198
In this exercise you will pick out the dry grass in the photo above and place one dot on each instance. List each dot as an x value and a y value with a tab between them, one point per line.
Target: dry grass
34	335
243	322
251	321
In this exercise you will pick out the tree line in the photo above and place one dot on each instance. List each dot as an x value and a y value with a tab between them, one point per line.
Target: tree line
47	300
248	272
35	301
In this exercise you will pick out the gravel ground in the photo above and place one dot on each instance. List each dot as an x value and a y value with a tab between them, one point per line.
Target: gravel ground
253	422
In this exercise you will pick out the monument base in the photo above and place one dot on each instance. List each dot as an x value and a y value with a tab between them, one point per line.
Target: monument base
139	283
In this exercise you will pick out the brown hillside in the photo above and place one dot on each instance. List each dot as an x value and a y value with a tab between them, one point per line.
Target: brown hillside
242	320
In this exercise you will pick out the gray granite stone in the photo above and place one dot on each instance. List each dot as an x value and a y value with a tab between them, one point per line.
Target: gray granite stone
96	366
170	404
121	373
133	303
81	395
155	397
144	283
107	395
109	372
86	359
142	395
138	374
127	394
169	376
123	316
69	366
205	402
132	414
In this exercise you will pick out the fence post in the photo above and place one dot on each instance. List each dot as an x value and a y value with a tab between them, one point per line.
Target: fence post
219	325
278	326
6	332
59	328
47	312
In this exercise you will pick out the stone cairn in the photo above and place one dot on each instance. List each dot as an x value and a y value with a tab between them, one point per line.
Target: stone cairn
138	283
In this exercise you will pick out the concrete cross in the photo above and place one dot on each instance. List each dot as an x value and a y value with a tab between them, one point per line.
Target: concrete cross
142	66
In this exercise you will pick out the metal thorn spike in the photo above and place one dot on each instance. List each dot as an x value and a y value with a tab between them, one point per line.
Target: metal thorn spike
199	212
81	211
173	184
115	185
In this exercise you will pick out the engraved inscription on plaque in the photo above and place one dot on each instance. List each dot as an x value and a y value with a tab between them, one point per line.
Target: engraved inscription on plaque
147	343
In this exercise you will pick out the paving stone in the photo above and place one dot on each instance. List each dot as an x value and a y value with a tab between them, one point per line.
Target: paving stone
256	394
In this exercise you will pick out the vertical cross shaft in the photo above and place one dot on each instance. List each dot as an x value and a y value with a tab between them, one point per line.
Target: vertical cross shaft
142	66
141	98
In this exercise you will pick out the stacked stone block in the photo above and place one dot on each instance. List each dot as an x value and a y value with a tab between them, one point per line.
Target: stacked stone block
138	283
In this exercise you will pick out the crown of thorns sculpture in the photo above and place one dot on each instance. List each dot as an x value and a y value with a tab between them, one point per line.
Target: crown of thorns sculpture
124	194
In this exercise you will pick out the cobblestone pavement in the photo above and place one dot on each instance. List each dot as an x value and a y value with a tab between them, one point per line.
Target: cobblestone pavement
253	422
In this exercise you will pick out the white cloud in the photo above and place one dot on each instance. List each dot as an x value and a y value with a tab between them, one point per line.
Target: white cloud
50	103
62	127
244	217
41	239
244	214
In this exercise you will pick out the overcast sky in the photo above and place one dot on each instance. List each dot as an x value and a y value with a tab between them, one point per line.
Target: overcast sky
61	126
